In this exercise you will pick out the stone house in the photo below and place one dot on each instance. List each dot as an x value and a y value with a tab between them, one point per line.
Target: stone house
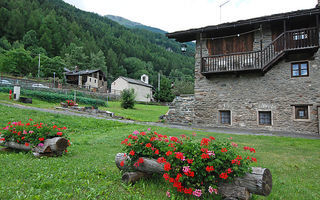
141	87
90	79
261	74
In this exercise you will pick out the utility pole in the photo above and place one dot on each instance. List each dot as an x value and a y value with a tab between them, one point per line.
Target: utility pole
158	81
54	79
220	8
39	66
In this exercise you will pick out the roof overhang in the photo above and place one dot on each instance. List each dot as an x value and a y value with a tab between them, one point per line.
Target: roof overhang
191	34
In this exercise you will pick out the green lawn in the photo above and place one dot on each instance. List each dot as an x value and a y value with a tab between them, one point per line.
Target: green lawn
88	171
140	112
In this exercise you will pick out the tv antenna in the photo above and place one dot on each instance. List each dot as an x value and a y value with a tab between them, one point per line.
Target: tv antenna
221	6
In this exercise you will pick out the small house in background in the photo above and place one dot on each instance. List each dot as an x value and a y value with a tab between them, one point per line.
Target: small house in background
141	87
90	79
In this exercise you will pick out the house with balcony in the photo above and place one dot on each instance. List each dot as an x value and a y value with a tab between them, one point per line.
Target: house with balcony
93	80
261	73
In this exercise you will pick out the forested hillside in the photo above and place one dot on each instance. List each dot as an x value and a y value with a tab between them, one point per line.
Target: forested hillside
66	36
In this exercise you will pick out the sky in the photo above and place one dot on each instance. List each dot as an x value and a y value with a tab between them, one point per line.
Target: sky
178	15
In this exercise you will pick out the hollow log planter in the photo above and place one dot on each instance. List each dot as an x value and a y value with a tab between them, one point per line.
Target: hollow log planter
259	181
51	147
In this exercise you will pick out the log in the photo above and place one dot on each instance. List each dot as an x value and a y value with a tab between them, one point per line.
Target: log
148	166
14	145
233	192
132	177
53	146
259	181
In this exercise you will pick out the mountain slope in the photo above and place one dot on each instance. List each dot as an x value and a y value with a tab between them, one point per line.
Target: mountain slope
74	37
131	24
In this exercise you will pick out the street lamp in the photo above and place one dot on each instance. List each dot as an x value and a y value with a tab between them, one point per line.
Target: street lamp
183	48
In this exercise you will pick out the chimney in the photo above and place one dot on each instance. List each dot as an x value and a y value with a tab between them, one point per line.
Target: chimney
76	68
145	78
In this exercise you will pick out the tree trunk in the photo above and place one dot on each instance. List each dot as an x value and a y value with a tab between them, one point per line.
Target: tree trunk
259	181
51	147
229	191
132	177
148	165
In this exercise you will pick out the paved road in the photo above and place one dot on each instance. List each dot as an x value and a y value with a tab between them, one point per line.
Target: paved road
184	127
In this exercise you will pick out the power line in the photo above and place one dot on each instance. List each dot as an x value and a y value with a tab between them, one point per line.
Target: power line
235	35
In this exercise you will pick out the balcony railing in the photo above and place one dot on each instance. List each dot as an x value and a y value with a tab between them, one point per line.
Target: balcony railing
258	60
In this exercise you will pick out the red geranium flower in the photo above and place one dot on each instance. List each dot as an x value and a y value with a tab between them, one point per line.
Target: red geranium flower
140	160
188	191
166	176
41	139
161	160
132	153
190	161
167	166
224	150
122	163
59	133
204	156
156	152
168	153
209	168
148	145
223	175
26	144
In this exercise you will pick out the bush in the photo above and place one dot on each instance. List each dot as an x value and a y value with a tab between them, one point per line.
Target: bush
56	97
128	98
193	167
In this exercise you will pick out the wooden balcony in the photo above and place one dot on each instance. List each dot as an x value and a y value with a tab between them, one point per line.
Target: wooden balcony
292	40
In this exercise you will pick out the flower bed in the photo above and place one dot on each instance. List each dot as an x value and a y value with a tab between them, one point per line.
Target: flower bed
192	167
34	136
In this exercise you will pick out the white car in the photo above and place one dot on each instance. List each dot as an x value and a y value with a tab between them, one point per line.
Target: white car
5	82
39	85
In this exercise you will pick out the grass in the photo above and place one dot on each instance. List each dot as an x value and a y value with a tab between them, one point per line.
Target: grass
140	112
88	171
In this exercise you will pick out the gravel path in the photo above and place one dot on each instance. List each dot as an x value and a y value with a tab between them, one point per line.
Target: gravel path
184	127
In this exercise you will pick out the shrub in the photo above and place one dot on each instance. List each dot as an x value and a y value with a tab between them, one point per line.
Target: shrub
193	167
56	97
30	133
127	98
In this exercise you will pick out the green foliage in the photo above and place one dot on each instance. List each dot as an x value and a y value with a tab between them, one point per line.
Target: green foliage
55	28
18	62
56	97
128	98
183	87
165	93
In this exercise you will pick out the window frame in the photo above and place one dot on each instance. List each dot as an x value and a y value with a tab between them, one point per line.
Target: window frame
220	116
259	121
308	109
299	69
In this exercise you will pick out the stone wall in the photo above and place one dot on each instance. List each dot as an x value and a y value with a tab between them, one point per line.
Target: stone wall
181	110
248	93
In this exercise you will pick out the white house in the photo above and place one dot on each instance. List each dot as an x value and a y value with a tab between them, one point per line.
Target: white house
141	87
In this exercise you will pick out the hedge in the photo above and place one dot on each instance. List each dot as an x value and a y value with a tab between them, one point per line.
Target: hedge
56	97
